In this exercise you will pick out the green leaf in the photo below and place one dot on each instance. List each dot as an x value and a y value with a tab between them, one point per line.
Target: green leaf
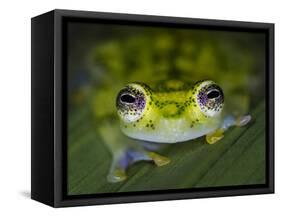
238	159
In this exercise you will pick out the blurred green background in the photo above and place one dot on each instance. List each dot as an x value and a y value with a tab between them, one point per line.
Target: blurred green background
102	58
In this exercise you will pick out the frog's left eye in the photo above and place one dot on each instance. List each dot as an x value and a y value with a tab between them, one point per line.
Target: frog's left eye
130	103
210	98
212	94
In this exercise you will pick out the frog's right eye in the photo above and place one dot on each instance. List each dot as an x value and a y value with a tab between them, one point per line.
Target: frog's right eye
130	103
127	98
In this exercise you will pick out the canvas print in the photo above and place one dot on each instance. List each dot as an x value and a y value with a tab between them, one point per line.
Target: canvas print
161	108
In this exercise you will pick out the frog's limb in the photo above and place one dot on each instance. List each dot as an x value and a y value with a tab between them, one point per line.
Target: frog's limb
158	159
116	172
121	161
229	121
242	121
215	136
116	175
125	151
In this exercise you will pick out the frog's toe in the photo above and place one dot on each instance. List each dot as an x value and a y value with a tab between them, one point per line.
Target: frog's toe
214	136
116	175
159	160
242	121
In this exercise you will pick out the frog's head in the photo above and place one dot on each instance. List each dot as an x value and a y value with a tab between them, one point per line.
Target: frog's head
171	113
209	97
131	101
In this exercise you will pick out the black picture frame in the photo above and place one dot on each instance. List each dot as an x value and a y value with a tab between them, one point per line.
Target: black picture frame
48	148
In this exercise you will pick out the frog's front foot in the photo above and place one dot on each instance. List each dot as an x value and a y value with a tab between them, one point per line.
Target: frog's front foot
121	161
159	160
215	136
229	121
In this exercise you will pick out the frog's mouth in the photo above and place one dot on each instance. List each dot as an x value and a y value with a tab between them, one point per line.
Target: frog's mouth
168	131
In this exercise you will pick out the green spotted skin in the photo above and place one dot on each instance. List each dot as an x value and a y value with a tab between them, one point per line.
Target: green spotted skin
172	112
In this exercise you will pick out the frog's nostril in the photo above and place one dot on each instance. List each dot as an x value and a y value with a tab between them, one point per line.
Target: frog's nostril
127	98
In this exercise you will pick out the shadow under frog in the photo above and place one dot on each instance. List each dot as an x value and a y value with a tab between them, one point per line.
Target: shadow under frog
167	112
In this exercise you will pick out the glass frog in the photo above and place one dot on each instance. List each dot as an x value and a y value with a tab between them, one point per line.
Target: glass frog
169	112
